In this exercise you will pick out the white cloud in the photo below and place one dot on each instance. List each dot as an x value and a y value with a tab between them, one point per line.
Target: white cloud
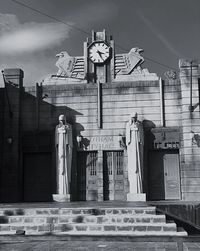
29	37
30	46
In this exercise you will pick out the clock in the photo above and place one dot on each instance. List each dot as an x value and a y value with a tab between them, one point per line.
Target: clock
99	52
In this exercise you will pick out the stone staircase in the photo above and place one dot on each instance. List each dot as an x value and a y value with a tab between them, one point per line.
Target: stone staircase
131	221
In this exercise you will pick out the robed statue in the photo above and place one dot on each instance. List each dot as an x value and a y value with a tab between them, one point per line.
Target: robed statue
64	147
135	145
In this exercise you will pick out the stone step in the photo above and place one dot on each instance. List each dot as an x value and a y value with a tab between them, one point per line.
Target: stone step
98	233
132	221
75	211
81	227
83	219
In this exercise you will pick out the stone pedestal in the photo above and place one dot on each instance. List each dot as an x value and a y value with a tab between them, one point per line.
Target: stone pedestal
61	197
136	197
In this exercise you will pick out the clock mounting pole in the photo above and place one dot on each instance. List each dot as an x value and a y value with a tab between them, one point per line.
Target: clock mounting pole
99	55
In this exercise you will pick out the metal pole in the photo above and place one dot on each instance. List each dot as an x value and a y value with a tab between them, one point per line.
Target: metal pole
99	108
162	119
191	106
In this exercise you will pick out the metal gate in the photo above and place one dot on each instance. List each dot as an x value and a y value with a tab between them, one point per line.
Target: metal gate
87	175
113	175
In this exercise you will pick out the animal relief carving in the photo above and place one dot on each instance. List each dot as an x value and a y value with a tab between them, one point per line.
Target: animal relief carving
65	64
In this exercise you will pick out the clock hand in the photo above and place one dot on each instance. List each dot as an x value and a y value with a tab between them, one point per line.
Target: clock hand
100	53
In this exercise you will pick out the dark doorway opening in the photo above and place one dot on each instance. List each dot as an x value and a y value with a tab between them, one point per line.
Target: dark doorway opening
37	177
163	175
87	176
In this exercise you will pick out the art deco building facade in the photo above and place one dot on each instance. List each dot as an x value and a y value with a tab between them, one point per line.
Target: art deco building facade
97	92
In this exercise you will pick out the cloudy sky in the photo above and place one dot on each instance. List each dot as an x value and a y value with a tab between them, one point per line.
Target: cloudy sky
166	29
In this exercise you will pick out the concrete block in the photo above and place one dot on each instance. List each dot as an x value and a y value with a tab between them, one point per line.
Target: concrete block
91	219
15	220
42	211
54	211
29	220
125	211
39	220
61	197
76	211
33	228
138	211
129	220
109	211
50	220
5	228
81	228
64	219
139	228
169	228
15	228
44	228
86	211
136	197
143	220
159	220
95	228
124	228
110	228
150	211
119	220
66	211
115	211
101	220
154	228
66	227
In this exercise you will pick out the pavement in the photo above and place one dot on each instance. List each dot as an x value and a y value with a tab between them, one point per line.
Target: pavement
61	245
54	243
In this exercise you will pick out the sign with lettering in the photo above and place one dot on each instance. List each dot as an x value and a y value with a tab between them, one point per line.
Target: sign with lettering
103	143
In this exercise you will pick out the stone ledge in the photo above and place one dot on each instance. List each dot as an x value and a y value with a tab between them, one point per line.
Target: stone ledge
93	211
99	234
100	219
85	227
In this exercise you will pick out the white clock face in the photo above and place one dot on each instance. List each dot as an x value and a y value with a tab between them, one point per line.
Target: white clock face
99	52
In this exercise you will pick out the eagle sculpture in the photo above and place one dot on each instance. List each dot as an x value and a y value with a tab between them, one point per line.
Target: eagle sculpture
65	64
133	60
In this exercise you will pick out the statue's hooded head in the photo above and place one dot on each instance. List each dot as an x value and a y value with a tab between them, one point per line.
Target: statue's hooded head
133	117
61	118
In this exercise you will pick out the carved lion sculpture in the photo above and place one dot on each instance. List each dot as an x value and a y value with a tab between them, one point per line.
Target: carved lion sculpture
65	64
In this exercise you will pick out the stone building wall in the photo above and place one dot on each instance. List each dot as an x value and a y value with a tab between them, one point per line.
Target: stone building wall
36	110
80	104
190	150
172	102
2	122
11	172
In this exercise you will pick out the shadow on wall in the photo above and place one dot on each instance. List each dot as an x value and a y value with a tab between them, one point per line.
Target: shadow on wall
148	144
149	136
37	181
46	116
195	139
